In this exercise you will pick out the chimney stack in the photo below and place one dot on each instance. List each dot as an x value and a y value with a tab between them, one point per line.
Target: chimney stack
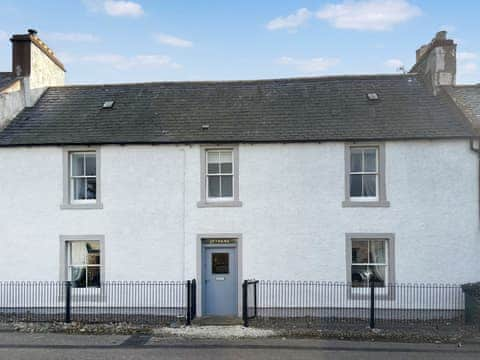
36	63
437	62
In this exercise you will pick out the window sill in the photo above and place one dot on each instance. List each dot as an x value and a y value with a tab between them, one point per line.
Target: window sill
205	204
389	296
98	205
381	203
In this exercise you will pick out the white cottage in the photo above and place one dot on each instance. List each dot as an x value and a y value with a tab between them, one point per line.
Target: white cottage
341	178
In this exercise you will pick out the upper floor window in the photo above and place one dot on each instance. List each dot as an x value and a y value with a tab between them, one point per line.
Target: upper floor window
81	185
365	175
219	176
83	177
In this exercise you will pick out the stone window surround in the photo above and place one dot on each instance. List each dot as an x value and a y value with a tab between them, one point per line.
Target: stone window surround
390	238
382	193
94	294
66	203
203	171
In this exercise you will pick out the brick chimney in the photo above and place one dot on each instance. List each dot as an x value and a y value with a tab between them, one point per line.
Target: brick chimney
34	68
437	62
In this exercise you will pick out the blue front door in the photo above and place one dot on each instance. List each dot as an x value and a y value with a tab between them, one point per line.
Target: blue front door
220	280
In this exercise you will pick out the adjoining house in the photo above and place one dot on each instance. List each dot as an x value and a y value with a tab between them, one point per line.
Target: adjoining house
340	178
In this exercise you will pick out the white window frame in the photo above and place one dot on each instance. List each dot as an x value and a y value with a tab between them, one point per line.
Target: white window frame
385	264
86	177
205	200
67	200
69	265
376	173
387	292
232	174
380	200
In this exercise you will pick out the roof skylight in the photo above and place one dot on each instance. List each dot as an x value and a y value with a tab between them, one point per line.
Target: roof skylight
108	104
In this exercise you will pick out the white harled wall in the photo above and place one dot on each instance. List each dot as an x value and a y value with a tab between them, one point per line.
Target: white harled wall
292	222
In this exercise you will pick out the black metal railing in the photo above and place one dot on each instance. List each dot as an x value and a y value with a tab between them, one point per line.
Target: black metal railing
145	302
249	300
334	302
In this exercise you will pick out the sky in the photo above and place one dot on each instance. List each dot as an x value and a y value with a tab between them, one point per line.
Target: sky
117	41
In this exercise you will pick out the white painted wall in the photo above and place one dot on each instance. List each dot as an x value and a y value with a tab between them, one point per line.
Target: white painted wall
292	222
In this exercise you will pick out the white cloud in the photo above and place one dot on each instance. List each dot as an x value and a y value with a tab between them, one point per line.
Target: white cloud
74	37
121	62
3	35
115	7
394	64
376	15
172	40
123	8
291	21
466	56
309	66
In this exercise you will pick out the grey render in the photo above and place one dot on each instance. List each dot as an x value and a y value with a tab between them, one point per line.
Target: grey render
66	203
203	174
390	237
382	192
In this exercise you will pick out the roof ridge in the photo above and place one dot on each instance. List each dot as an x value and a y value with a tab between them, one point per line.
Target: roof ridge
293	79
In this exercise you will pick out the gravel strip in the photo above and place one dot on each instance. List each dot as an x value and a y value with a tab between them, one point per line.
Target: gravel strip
215	332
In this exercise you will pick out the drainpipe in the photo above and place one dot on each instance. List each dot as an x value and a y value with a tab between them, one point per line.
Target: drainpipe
475	147
184	211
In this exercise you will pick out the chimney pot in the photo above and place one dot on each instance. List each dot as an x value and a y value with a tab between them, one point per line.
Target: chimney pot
32	32
441	35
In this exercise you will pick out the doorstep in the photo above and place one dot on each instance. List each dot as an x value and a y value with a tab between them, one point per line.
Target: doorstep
218	321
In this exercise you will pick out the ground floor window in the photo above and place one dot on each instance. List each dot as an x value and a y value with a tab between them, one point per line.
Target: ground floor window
369	262
83	263
370	258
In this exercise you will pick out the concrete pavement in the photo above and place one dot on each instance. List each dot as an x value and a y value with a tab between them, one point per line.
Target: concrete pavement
16	346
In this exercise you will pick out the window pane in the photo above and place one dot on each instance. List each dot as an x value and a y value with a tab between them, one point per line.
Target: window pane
213	156
77	165
213	168
371	160
355	185
227	186
93	276
92	188
91	164
359	251
78	253
377	251
355	160
359	276
370	185
226	157
220	263
226	168
78	276
378	274
79	189
213	186
93	252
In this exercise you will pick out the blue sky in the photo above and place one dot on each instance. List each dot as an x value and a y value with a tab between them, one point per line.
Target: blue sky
108	41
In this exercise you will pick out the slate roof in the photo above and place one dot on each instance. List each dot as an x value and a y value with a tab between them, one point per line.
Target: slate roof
6	79
467	97
284	110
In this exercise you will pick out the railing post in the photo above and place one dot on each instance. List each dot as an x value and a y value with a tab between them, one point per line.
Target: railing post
194	299
189	302
255	297
245	302
372	304
68	301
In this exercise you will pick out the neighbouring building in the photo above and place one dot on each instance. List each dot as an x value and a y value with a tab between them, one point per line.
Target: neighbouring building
338	178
